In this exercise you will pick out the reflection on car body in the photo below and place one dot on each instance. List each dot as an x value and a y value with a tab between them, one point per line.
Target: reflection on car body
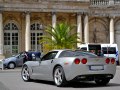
62	66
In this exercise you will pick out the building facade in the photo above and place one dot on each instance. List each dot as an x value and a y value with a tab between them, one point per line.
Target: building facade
23	21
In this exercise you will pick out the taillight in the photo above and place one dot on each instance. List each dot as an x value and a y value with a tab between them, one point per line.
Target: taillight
84	61
107	60
112	60
77	61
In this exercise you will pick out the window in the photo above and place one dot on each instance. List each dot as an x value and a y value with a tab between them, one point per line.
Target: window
36	26
84	48
11	38
80	53
50	55
36	32
10	26
109	50
67	54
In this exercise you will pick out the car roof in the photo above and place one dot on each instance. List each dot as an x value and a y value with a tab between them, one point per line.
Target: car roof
60	50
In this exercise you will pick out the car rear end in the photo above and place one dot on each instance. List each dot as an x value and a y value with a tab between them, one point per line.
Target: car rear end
90	68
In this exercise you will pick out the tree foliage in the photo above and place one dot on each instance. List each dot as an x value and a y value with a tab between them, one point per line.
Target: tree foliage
60	37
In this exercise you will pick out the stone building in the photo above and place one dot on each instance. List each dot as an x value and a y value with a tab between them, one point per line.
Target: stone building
23	21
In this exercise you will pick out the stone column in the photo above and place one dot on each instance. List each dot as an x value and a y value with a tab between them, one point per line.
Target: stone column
111	2
79	28
1	37
111	30
27	33
53	20
86	30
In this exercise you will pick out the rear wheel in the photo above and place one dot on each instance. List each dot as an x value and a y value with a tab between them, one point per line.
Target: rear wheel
59	76
11	65
25	74
102	82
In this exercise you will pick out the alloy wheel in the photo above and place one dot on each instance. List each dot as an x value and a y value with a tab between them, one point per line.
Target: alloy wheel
59	76
25	73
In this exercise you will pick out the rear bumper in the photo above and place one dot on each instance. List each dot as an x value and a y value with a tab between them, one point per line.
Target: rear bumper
92	77
84	70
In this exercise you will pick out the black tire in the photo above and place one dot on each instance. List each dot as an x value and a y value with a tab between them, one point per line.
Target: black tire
102	82
25	74
59	77
11	65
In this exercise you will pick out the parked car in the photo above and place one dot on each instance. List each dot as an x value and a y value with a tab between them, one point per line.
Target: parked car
62	66
13	61
18	60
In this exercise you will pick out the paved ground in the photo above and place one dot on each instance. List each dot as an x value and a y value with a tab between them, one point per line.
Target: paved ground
10	79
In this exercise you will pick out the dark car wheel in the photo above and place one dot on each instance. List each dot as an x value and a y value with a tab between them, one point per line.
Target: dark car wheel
102	82
11	65
59	77
25	74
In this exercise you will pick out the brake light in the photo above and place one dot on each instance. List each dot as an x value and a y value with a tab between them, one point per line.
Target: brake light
77	61
112	60
84	61
107	60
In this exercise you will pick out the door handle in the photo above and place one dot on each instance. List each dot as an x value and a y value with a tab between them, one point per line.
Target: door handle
51	61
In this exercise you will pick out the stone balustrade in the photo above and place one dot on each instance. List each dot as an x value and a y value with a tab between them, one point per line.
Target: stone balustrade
99	2
117	2
106	3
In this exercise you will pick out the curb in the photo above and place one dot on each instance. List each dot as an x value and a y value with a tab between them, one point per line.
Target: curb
11	70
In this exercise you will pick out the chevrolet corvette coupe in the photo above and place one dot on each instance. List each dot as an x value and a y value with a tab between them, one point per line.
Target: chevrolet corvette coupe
63	66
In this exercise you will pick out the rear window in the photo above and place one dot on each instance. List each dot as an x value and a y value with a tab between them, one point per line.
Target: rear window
76	53
67	54
80	53
109	50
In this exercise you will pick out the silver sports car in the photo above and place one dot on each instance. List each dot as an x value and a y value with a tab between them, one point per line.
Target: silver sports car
62	66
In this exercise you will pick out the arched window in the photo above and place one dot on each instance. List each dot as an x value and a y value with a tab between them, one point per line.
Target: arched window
36	26
36	32
11	26
11	38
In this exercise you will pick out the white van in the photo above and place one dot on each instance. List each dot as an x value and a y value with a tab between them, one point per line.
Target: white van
109	50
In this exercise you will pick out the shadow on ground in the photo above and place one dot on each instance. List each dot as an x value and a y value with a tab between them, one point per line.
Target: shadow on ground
78	84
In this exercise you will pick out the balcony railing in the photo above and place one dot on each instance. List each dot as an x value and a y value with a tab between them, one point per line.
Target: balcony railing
117	2
98	3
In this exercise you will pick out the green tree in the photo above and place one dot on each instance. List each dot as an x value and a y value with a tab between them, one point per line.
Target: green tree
60	37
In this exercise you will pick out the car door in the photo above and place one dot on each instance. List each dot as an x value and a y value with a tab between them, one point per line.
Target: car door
44	70
19	60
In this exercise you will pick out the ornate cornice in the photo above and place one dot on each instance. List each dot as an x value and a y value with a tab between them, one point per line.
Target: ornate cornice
73	6
44	7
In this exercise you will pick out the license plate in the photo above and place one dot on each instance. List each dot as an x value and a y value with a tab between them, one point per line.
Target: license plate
95	68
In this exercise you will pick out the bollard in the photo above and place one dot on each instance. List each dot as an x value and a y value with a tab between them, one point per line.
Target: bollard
1	64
